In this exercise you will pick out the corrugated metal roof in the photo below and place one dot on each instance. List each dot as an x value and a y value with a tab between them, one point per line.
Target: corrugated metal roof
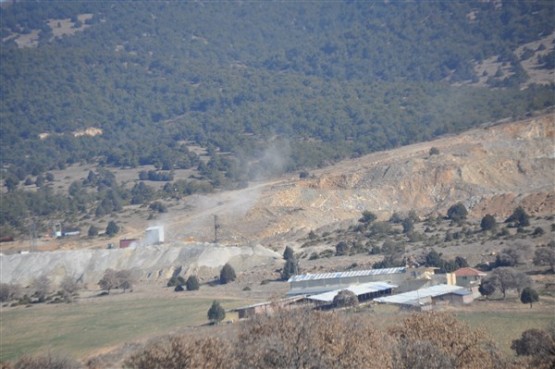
413	296
353	273
357	289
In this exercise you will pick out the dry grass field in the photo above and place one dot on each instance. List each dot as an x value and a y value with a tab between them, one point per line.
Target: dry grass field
97	325
85	328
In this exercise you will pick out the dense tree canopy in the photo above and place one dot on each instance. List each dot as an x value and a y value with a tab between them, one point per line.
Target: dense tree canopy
355	76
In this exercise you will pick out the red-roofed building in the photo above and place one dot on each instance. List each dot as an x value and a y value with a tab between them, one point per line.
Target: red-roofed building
469	277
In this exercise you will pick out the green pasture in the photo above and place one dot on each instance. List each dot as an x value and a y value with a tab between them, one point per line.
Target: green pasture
82	328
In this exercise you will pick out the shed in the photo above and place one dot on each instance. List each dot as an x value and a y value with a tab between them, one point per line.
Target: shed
125	243
154	235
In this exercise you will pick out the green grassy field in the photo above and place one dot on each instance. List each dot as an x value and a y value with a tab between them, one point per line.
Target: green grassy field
82	329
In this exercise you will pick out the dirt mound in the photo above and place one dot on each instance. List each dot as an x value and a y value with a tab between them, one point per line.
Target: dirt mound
150	262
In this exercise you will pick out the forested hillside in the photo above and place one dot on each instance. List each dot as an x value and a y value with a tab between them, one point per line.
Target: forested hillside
321	81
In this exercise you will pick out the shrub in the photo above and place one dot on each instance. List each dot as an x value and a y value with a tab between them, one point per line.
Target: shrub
112	279
345	298
488	223
47	361
41	287
181	352
158	206
408	225
457	212
9	292
433	259
539	345
381	228
538	231
487	287
341	248
192	283
519	217
112	228
227	274
367	217
313	256
68	287
529	296
176	280
216	313
93	231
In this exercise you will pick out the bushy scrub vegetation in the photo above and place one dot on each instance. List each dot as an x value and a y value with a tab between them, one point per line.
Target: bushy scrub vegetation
537	346
121	279
307	339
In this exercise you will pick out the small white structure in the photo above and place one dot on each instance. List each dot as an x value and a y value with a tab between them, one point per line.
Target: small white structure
154	235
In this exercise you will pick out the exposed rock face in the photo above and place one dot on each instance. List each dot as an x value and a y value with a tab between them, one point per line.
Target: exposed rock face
151	263
491	170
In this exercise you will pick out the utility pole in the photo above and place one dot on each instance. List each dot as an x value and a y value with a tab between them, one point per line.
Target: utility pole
216	227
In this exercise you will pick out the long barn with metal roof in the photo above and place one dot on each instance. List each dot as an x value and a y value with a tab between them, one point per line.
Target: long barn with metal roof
310	284
365	291
427	295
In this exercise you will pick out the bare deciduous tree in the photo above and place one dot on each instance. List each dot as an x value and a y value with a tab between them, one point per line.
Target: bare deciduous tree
9	292
68	287
41	287
111	279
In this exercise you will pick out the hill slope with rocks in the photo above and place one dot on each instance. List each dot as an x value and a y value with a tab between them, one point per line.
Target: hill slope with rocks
491	170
